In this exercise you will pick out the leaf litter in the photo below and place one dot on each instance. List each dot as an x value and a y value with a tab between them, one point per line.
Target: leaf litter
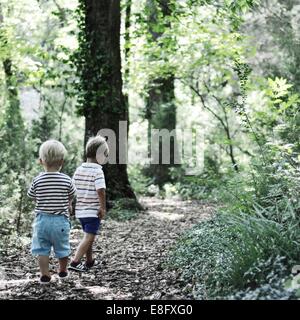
131	256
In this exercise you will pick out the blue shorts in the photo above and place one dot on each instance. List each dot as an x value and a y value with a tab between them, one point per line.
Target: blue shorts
90	225
51	231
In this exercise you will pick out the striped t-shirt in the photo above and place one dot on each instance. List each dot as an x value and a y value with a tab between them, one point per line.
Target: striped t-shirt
88	178
52	191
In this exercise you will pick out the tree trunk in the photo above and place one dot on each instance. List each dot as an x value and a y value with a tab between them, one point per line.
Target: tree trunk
10	80
14	135
160	105
12	139
127	53
102	100
162	115
127	35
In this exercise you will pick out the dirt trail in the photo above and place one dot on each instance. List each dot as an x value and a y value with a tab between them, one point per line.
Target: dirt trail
131	255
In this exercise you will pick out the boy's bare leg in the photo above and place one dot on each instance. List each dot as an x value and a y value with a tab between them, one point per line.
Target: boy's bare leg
44	265
84	246
89	254
63	262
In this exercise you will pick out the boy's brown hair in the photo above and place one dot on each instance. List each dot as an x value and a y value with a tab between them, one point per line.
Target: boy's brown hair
94	144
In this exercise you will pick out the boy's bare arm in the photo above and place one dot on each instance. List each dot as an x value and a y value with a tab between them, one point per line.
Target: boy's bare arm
72	203
102	199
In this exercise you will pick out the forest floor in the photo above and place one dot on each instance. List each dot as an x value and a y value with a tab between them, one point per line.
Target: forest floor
131	255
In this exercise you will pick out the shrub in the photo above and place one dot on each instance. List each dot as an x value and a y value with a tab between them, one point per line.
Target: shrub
201	256
196	187
124	209
236	253
139	182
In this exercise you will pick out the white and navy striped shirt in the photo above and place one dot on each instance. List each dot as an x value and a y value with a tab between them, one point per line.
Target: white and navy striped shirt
52	191
88	178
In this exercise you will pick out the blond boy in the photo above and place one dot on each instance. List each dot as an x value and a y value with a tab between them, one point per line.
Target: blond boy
52	192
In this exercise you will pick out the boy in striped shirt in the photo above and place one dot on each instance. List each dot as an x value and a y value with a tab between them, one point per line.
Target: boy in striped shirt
90	201
52	192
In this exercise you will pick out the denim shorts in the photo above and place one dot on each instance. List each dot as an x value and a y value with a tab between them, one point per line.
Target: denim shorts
51	231
90	225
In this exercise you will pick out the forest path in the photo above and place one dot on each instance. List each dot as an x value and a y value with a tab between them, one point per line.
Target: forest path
131	255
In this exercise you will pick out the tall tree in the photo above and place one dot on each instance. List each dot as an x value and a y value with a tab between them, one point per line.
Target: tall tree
128	5
12	136
160	104
101	100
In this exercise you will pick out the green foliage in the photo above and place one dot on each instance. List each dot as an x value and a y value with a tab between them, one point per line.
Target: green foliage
247	107
12	244
34	54
275	287
43	127
138	180
92	69
236	253
14	180
199	256
124	209
248	250
197	187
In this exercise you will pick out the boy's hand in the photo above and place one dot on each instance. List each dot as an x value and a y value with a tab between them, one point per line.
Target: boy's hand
101	213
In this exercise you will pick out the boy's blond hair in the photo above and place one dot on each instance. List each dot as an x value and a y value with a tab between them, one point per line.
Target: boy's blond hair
52	153
93	145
